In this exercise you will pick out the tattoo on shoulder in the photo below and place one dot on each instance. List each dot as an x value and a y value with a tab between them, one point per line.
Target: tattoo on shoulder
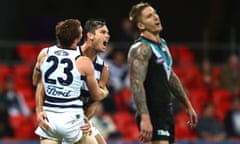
138	58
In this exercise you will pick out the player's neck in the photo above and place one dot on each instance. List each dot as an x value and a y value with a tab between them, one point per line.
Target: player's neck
88	51
152	36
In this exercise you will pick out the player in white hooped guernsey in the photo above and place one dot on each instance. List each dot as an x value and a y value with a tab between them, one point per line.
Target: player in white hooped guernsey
96	37
62	93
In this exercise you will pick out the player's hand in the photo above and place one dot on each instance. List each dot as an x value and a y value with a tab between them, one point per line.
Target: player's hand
42	120
86	128
104	92
193	119
145	128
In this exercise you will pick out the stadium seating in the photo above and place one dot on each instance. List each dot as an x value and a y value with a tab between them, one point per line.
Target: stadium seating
198	97
27	52
5	71
182	128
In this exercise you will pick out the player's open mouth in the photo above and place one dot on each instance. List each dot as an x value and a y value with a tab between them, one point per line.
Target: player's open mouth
105	43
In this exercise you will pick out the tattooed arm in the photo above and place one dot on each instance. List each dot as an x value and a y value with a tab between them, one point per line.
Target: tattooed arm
178	91
138	58
137	63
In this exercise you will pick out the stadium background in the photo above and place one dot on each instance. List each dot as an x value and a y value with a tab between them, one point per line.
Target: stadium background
206	27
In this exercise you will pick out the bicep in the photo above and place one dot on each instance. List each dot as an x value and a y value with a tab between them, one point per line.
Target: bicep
86	68
138	62
36	76
36	70
104	76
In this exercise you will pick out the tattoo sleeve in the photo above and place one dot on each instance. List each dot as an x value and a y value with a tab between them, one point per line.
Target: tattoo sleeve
178	90
138	58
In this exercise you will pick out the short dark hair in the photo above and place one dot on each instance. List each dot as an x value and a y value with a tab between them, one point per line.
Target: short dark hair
67	31
135	12
92	24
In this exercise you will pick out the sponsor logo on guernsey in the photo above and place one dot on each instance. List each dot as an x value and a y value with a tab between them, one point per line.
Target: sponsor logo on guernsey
163	132
61	53
57	91
160	60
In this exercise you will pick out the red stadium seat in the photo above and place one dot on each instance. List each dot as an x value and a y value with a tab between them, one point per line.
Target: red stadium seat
5	71
182	54
23	129
221	95
122	99
198	97
185	56
190	76
27	52
22	74
182	128
126	125
221	110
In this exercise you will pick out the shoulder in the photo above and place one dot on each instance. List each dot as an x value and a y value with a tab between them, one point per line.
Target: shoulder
83	59
43	51
84	64
140	49
139	44
42	54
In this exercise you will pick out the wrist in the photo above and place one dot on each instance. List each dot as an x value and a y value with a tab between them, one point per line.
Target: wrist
145	116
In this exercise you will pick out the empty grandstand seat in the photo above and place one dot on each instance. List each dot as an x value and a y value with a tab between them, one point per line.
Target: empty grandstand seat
182	128
22	75
185	55
191	76
122	99
5	71
198	97
221	110
27	52
221	95
22	126
126	125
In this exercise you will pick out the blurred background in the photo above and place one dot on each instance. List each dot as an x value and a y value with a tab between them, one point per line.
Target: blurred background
203	36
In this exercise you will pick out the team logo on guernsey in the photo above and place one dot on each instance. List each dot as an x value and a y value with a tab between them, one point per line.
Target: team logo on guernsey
160	60
61	53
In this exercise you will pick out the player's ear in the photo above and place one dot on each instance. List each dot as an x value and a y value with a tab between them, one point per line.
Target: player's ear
140	26
90	35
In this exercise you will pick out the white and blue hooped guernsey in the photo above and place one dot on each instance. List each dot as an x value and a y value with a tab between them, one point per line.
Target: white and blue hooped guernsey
62	80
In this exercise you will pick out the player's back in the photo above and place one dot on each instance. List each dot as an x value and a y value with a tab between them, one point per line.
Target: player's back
62	80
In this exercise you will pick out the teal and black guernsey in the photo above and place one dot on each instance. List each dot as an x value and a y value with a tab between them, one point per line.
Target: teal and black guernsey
157	79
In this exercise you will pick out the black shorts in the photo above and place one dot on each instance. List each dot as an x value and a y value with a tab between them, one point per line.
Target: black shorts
163	127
